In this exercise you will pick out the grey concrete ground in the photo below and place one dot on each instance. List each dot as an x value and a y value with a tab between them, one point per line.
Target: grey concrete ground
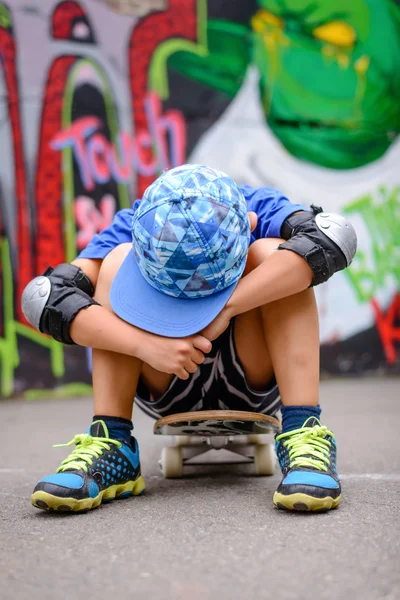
213	536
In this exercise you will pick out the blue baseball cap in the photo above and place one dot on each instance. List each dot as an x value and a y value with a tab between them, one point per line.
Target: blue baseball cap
190	239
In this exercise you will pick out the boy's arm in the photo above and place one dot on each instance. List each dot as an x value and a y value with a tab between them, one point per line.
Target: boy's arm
317	246
90	266
100	329
67	311
60	304
52	301
281	274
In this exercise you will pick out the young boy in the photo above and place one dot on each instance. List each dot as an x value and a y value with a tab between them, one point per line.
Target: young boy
198	304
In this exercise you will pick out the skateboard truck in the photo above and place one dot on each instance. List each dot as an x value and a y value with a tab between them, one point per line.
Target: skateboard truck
196	433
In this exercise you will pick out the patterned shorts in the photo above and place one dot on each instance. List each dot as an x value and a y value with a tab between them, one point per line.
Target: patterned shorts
218	384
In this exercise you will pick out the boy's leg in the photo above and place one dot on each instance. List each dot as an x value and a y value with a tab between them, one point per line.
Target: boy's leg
279	334
115	376
105	463
282	339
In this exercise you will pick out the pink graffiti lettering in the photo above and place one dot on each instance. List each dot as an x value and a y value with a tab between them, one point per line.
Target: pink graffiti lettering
91	220
99	159
74	137
121	158
97	152
143	141
160	126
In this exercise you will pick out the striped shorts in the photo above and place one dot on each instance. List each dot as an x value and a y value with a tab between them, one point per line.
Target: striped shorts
218	384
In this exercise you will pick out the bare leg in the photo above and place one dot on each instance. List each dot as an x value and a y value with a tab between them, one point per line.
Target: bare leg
115	376
252	350
281	337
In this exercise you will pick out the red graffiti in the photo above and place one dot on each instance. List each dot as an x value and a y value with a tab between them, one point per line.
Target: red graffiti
70	22
179	20
389	332
63	18
49	183
24	248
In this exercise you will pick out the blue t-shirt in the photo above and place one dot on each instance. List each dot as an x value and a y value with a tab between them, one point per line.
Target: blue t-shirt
270	206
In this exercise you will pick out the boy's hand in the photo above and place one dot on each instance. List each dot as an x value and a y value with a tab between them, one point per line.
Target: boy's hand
178	356
218	326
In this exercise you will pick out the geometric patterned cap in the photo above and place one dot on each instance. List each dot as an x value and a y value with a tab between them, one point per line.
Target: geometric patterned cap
191	233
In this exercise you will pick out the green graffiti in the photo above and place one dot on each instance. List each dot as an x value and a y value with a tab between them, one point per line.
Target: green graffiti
371	271
5	17
9	356
62	391
328	85
158	72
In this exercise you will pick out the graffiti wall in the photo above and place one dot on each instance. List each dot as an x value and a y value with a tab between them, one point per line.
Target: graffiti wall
98	97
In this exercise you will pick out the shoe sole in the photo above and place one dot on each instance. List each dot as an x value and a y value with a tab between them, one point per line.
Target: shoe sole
304	503
46	501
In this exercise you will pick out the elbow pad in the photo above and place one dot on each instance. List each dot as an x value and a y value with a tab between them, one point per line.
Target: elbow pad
51	302
326	241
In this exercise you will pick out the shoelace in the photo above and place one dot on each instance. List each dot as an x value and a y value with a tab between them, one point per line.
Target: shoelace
308	446
87	448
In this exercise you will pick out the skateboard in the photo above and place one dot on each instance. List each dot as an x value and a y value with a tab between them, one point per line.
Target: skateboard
196	433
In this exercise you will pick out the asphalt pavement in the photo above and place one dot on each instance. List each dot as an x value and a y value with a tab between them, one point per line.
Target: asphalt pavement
215	534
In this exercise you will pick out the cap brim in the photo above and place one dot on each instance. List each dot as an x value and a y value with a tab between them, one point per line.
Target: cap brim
137	302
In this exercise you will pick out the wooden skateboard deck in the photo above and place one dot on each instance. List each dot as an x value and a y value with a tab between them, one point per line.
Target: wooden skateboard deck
216	423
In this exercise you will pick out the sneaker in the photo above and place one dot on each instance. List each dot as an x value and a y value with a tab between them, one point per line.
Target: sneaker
99	469
307	457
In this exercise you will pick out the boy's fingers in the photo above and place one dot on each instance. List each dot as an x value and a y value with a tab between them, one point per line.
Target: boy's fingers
202	343
191	366
197	356
182	373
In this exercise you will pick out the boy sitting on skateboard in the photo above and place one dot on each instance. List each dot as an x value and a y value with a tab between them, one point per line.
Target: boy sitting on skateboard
199	297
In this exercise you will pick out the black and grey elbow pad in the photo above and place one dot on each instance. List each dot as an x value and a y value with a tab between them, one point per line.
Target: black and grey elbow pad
326	241
51	302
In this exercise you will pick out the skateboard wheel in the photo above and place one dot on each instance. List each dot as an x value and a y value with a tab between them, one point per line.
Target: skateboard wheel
254	438
182	440
264	459
171	462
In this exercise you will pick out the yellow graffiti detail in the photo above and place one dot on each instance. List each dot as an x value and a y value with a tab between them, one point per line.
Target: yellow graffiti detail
341	56
360	66
343	60
264	18
271	35
328	50
337	33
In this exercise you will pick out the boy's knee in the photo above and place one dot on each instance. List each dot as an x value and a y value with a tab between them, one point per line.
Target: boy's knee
259	251
108	270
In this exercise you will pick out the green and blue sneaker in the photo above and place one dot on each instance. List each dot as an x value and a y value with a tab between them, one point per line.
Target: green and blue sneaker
99	469
307	457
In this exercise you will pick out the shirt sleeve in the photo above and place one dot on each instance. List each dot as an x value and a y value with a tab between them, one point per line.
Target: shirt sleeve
119	232
271	208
